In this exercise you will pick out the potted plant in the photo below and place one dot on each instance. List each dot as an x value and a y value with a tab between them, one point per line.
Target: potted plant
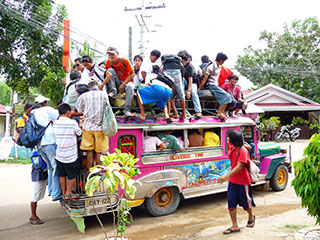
307	177
116	174
269	125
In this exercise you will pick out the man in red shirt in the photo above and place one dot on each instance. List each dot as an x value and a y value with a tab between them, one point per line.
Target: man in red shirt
125	73
239	190
237	102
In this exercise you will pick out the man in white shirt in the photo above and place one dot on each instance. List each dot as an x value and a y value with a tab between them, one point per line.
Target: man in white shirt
212	76
147	66
47	146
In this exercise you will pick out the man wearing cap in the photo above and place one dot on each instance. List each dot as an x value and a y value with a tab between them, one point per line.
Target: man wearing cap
70	94
91	104
47	146
125	73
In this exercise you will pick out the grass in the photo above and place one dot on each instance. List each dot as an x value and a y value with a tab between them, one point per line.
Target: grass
16	161
294	227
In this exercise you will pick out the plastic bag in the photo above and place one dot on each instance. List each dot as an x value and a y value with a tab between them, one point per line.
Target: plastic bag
109	121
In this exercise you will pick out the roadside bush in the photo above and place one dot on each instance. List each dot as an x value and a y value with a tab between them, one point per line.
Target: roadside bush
307	177
299	121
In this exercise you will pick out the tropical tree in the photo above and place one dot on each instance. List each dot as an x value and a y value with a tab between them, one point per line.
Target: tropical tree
5	94
290	59
85	49
30	56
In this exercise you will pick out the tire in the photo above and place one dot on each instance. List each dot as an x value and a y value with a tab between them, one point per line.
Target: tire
164	202
278	137
279	179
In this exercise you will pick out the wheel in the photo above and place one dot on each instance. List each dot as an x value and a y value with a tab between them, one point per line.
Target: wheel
279	179
164	202
278	137
293	138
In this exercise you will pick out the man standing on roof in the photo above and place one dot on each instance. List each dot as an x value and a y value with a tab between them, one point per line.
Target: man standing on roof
149	65
125	73
212	76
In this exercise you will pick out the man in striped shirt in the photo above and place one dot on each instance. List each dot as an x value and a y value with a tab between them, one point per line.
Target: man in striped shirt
91	104
66	131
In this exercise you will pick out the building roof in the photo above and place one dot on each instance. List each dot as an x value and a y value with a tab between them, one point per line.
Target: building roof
2	109
273	98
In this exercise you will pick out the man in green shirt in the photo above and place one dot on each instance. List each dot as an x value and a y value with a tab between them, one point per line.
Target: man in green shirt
170	140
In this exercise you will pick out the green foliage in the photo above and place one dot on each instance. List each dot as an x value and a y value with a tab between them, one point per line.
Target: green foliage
314	126
30	56
299	121
290	59
307	178
5	94
116	173
270	124
79	50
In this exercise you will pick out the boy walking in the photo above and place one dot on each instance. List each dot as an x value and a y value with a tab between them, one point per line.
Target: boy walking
66	131
239	190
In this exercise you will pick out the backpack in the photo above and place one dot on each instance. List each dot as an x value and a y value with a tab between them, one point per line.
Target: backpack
253	170
204	68
171	58
32	132
122	62
38	162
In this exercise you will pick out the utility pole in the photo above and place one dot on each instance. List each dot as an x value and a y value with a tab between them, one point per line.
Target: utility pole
130	44
142	48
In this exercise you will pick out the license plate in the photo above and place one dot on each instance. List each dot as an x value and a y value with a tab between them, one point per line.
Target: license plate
97	202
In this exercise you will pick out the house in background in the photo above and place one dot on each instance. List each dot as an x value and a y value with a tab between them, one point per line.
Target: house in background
276	101
2	120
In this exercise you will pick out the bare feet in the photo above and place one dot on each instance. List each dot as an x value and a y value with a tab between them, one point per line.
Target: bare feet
142	117
222	115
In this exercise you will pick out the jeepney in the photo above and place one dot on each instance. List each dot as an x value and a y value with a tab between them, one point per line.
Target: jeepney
167	176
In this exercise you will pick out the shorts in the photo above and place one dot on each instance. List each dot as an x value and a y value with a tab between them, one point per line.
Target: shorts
155	93
178	83
221	95
38	190
240	194
69	170
94	140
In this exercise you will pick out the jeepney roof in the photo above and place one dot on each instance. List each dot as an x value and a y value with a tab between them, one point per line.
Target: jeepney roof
204	122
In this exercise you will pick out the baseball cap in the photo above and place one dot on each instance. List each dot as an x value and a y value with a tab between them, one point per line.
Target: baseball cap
112	50
41	99
75	75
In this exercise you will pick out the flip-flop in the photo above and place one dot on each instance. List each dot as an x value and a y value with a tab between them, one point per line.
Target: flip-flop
251	222
175	116
168	120
230	231
139	117
35	221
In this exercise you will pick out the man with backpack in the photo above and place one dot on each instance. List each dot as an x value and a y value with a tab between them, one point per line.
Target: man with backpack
173	67
212	75
125	74
44	117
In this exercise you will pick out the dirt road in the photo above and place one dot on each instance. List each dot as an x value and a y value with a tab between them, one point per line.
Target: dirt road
279	214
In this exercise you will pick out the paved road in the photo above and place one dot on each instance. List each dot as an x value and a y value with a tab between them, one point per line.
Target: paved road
278	214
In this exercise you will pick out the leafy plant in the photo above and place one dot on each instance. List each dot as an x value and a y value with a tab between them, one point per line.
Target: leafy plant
116	174
314	126
299	121
307	177
271	124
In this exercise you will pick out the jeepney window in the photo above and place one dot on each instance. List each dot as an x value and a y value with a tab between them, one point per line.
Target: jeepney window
127	144
204	137
154	140
247	133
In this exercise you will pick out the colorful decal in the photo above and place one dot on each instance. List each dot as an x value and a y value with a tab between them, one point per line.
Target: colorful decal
127	144
204	173
134	120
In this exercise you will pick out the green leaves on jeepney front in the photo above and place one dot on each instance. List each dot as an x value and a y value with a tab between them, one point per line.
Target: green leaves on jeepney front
92	185
307	177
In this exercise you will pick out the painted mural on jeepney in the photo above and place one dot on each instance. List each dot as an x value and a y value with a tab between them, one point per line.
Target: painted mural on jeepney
204	173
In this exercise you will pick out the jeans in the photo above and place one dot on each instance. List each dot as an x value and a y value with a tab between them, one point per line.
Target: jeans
222	96
176	75
48	153
194	96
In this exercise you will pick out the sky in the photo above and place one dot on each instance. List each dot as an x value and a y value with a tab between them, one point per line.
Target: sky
200	27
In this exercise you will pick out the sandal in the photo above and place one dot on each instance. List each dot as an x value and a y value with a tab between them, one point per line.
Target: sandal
175	116
70	196
251	222
168	120
36	221
229	231
139	117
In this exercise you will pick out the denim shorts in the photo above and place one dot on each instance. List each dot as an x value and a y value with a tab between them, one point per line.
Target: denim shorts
221	95
178	84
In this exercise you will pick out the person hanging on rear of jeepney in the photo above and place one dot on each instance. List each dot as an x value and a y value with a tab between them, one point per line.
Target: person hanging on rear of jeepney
191	84
157	91
105	78
124	80
235	92
91	104
149	66
212	76
239	189
173	67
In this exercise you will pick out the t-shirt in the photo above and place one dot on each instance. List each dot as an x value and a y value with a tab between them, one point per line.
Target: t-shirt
211	139
150	143
72	95
21	121
146	66
66	131
97	73
170	141
195	140
213	76
123	70
190	71
235	92
243	176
